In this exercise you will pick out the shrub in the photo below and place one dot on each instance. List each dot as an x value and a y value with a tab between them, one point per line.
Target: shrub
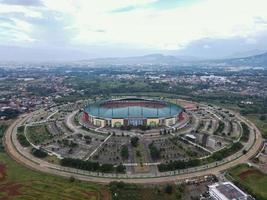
39	153
124	153
134	141
23	140
169	189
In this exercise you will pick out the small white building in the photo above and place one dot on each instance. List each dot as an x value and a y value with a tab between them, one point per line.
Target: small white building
226	191
191	137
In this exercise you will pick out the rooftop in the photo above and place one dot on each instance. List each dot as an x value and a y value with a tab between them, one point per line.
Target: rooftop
228	190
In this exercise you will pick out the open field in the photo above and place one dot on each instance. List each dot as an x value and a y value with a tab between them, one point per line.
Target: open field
251	179
17	182
2	130
122	191
261	124
38	134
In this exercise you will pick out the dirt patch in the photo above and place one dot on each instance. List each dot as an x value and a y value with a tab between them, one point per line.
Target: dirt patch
250	172
11	190
186	104
105	195
2	172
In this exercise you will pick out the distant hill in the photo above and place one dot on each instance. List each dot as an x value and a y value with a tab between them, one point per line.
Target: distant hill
150	59
244	54
160	59
252	61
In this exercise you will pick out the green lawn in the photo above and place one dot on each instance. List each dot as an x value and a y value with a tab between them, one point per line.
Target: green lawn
251	179
38	134
122	191
2	130
17	182
140	158
261	124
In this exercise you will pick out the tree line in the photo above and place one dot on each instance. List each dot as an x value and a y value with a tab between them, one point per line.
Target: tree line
217	156
92	166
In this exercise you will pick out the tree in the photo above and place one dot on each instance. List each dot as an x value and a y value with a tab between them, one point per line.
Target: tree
138	153
120	168
169	189
154	152
124	153
263	117
134	141
39	153
23	140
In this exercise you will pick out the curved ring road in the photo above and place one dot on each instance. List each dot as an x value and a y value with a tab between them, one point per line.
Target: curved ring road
43	166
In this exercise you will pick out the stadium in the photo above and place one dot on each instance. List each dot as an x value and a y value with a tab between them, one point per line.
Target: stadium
132	112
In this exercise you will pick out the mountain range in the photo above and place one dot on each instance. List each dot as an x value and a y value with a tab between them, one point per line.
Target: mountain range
160	59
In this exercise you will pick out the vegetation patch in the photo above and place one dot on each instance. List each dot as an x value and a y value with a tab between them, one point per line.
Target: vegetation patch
250	179
38	134
245	134
39	153
23	140
154	152
24	184
124	152
260	122
124	191
92	166
217	156
140	158
2	172
3	128
220	128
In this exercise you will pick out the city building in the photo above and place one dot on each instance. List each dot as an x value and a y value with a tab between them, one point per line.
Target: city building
227	191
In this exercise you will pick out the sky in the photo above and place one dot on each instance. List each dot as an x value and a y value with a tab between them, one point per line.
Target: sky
83	29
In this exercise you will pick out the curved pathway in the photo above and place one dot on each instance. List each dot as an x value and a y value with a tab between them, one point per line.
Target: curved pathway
14	149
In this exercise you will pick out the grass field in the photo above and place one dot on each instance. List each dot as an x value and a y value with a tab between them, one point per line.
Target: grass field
261	124
122	191
251	179
2	130
20	183
17	182
140	158
38	134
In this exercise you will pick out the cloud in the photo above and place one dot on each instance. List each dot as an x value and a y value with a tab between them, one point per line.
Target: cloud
224	47
124	9
140	24
161	25
15	30
22	2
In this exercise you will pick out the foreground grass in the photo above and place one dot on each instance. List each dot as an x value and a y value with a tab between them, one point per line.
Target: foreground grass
251	179
123	191
3	127
18	182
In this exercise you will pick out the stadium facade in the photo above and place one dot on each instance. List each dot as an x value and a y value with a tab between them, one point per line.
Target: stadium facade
132	112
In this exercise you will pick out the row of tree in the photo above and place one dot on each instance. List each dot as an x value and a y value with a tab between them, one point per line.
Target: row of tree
92	166
154	151
23	140
246	131
217	156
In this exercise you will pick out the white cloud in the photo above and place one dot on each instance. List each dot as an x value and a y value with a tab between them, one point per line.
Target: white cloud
13	28
27	11
93	22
